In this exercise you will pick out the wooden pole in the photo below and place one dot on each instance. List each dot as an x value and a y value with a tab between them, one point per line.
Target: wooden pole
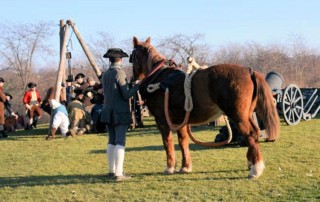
85	48
62	65
62	33
62	36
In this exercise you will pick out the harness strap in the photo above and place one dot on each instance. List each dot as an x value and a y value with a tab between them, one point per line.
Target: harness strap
156	68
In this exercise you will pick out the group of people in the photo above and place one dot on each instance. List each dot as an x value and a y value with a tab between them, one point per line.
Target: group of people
80	112
31	101
111	108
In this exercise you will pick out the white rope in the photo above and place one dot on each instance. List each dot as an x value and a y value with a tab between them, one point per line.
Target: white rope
228	127
188	103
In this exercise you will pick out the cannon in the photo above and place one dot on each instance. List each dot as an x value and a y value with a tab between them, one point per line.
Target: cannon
290	101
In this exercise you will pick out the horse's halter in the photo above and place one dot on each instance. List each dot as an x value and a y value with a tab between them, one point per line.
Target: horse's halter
132	60
132	57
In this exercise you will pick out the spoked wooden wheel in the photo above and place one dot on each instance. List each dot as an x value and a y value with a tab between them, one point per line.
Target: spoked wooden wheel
292	105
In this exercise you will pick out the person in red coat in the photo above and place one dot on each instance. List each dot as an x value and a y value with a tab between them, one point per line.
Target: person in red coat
32	101
2	101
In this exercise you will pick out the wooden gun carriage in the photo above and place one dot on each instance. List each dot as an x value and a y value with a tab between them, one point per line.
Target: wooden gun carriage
291	102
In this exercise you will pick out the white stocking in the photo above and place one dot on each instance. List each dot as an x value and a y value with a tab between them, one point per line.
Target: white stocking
111	154
119	160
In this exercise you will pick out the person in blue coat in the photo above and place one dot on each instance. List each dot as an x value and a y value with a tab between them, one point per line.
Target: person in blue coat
116	111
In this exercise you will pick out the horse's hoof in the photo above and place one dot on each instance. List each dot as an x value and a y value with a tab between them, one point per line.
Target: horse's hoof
256	170
169	171
184	170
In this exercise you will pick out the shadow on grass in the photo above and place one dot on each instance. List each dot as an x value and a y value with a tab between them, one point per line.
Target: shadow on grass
129	149
192	147
31	181
52	180
37	131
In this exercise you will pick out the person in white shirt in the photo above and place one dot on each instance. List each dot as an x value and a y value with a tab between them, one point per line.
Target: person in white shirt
60	119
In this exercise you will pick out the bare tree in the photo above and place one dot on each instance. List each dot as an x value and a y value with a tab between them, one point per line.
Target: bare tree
99	46
230	53
302	60
179	47
19	44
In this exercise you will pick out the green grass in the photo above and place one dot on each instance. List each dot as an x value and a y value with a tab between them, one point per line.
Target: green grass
74	169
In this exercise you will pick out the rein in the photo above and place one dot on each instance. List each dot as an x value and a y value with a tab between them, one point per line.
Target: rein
159	66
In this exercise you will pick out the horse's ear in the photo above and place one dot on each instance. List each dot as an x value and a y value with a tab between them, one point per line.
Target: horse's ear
148	40
135	41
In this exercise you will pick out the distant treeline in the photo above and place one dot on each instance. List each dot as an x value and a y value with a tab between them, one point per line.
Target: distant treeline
23	46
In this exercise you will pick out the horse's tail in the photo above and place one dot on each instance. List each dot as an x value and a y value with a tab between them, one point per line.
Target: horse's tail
266	108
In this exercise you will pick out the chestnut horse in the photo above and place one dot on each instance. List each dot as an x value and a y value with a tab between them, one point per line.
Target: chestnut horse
228	89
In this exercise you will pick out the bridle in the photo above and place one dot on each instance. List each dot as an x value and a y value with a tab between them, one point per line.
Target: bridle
132	59
159	65
132	56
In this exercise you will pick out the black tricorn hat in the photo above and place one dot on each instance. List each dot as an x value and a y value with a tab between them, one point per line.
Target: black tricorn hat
69	80
31	85
78	76
115	53
1	80
9	95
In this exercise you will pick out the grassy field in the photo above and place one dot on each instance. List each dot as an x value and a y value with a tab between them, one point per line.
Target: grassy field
74	169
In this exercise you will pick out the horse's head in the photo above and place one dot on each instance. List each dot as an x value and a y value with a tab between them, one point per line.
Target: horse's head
143	58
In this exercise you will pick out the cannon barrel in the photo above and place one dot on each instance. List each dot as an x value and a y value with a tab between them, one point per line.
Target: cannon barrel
275	81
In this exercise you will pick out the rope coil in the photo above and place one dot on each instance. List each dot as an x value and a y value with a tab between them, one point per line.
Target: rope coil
188	103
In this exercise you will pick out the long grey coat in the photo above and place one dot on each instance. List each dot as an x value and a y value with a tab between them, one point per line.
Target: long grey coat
116	109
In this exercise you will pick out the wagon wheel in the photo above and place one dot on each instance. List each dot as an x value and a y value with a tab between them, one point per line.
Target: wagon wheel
292	105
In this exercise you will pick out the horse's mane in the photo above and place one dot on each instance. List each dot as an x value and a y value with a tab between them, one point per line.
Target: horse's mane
154	56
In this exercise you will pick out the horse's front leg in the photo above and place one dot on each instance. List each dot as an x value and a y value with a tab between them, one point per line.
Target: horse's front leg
254	155
186	166
169	147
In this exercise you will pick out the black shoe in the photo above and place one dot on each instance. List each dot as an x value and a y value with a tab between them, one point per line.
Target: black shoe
28	127
4	135
110	175
34	124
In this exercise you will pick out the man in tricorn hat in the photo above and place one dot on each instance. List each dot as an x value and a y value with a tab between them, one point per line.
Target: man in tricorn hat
32	101
80	81
116	111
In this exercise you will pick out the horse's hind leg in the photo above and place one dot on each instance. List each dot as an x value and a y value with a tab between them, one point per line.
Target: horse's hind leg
251	133
186	166
169	147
